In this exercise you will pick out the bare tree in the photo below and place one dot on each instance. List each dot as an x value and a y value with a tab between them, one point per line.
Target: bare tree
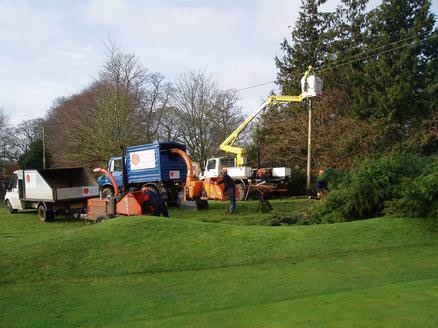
206	115
154	101
26	132
169	129
123	107
8	139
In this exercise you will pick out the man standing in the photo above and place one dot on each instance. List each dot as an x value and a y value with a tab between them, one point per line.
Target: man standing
321	184
230	188
152	198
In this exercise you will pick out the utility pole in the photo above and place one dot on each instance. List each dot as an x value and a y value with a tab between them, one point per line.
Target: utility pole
309	147
44	149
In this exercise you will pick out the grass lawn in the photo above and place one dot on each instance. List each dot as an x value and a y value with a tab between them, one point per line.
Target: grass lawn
187	271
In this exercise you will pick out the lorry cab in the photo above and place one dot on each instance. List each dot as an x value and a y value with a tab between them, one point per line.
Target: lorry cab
115	167
14	192
214	166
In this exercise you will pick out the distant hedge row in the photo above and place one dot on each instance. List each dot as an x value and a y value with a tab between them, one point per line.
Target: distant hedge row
403	184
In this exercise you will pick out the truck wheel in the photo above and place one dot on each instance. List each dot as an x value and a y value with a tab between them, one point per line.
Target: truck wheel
44	214
154	187
107	192
9	207
100	219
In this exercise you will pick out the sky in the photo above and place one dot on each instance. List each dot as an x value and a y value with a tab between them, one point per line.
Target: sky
55	48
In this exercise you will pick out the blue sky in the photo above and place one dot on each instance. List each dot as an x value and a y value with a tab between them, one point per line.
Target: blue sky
50	49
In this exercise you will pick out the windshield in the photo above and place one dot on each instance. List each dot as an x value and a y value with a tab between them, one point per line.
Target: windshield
211	164
227	162
118	165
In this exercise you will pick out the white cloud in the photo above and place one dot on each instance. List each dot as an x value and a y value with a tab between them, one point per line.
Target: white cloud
236	44
40	59
50	49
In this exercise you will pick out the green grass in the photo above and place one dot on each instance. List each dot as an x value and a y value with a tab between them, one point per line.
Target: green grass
185	272
247	214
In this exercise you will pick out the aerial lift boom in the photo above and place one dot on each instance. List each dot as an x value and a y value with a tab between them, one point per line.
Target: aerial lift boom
228	144
311	86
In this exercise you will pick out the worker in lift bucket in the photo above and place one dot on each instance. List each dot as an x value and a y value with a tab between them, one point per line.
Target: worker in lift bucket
154	200
230	188
304	83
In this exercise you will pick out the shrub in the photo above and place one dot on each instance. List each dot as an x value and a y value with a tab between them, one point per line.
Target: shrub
363	193
419	197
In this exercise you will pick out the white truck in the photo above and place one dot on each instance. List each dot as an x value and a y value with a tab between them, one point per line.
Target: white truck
276	179
50	191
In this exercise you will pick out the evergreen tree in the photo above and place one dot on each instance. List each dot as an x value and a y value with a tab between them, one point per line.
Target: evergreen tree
346	45
307	47
394	75
33	157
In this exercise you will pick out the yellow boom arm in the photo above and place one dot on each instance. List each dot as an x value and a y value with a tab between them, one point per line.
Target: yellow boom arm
228	144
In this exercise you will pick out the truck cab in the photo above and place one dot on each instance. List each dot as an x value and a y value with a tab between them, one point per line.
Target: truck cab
14	193
214	166
115	167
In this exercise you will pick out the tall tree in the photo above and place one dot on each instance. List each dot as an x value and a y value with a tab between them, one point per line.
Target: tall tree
122	107
394	75
32	158
307	47
26	132
206	114
9	150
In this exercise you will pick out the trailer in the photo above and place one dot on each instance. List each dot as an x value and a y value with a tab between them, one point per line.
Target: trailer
51	191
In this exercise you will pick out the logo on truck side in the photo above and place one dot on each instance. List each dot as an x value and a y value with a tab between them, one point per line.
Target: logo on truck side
143	159
135	159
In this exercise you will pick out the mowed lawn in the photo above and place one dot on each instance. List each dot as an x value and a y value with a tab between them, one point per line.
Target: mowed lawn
189	272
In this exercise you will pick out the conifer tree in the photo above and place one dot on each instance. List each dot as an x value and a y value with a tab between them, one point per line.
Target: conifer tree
399	31
307	47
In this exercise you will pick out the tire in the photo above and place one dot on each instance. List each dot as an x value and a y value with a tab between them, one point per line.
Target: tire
9	207
201	204
107	192
100	219
154	187
45	214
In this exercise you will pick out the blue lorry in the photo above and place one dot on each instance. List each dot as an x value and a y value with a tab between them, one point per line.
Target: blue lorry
150	165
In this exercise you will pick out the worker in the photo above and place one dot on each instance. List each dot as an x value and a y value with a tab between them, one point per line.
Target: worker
321	184
229	187
304	84
153	199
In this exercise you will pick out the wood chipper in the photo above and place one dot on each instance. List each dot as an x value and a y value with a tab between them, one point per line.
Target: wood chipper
198	192
127	204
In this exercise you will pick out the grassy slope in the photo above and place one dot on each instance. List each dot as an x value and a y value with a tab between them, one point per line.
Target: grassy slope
168	273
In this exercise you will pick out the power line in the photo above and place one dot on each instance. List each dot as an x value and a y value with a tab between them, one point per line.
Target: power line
374	54
255	86
344	61
380	47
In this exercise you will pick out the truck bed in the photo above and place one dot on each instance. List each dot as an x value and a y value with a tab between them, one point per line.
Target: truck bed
58	184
